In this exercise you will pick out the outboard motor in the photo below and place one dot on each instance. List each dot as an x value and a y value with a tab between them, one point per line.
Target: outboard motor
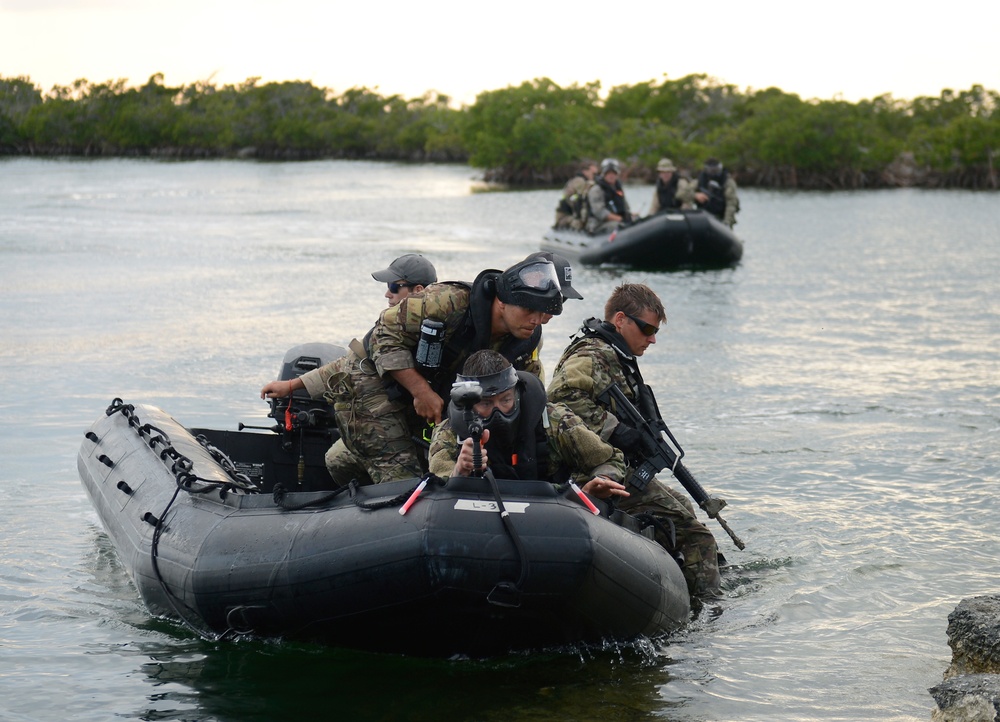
305	412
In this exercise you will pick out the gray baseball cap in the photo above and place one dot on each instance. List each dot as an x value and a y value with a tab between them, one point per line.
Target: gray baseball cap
563	270
412	268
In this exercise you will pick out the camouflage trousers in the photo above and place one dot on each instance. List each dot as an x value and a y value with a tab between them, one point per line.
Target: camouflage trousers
694	540
376	443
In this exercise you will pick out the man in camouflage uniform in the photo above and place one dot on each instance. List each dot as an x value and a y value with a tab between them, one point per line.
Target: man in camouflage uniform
386	414
714	191
606	352
524	436
354	375
502	311
574	195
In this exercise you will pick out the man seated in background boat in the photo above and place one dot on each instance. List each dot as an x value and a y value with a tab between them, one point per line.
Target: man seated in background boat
715	192
606	206
524	436
574	196
668	195
352	374
605	353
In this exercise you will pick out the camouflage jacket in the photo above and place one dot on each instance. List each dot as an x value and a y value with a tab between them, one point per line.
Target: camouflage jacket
573	449
466	314
587	367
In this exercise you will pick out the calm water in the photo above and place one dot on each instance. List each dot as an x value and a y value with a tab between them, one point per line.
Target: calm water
839	388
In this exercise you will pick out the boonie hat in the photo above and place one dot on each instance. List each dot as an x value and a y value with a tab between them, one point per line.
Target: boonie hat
531	284
665	165
564	271
412	268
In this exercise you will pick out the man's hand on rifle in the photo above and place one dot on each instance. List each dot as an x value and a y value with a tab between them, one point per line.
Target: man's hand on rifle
627	439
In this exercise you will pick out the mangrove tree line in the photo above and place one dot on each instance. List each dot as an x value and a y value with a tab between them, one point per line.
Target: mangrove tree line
531	134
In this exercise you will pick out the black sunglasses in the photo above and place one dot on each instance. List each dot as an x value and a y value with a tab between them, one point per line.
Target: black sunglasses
394	287
647	329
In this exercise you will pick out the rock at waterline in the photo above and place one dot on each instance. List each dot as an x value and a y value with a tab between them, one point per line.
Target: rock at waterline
967	698
974	636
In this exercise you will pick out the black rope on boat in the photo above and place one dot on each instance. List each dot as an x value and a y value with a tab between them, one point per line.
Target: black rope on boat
280	495
181	466
508	594
390	501
280	492
665	525
175	601
185	479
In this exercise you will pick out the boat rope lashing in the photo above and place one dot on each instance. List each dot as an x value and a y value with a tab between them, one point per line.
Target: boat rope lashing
280	492
507	594
182	469
666	526
179	465
392	501
226	463
176	602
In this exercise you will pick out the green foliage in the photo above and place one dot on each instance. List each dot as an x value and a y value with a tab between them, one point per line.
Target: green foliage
534	128
532	133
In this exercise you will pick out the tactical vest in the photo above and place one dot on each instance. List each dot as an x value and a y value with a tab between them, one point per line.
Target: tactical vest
472	333
614	197
715	189
643	395
666	193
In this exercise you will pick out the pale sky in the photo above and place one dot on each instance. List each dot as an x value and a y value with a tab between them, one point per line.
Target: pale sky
847	48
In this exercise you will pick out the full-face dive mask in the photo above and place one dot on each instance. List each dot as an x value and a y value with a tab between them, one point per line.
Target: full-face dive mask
500	424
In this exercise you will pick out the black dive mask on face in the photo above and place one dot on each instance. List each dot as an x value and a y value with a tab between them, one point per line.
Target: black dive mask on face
501	425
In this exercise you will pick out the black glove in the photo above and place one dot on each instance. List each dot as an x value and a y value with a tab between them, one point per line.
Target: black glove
627	439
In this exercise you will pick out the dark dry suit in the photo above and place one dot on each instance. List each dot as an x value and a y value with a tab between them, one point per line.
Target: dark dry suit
548	442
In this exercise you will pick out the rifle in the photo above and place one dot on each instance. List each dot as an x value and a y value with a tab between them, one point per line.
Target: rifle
661	451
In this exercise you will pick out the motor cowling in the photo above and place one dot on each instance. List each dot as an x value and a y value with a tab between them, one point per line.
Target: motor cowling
305	411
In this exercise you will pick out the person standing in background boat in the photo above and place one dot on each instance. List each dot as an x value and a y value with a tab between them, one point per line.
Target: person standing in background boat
606	205
605	353
352	374
574	197
523	435
668	195
715	192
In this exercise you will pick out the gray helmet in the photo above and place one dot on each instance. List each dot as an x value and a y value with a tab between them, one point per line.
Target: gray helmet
534	284
610	164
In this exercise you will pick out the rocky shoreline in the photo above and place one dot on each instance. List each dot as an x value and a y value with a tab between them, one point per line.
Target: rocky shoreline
970	691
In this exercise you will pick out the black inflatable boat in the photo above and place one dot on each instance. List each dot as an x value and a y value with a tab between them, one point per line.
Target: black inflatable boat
669	240
233	532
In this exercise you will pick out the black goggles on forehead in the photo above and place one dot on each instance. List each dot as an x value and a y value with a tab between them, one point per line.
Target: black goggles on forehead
647	329
396	285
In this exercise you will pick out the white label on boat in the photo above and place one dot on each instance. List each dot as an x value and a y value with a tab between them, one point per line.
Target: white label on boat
514	507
